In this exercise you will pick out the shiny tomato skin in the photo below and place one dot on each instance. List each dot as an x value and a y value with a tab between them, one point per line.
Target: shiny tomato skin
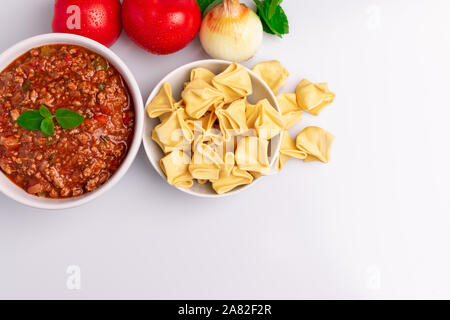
161	26
99	20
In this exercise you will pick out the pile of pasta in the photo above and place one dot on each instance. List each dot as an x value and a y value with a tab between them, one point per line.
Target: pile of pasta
312	143
213	134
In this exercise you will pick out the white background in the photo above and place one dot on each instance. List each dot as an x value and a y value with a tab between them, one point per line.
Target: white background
373	223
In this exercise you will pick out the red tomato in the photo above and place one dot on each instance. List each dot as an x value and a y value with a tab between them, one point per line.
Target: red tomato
95	19
161	26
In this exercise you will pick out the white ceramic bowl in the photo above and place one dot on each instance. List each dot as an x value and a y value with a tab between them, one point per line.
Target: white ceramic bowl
15	192
176	79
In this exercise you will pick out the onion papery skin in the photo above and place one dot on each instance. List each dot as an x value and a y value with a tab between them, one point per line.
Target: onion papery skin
231	33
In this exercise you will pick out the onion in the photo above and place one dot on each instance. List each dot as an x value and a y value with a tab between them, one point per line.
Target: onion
231	31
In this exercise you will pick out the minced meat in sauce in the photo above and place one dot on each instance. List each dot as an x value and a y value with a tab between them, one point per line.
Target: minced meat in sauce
72	162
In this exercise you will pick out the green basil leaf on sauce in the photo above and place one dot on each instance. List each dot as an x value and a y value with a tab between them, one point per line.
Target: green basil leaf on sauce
47	127
30	120
45	112
68	119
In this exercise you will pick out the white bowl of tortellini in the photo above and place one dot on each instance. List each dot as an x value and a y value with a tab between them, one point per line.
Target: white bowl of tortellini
212	128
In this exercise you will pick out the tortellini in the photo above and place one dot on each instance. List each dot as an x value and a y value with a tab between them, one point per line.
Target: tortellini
206	124
251	113
288	150
215	135
175	166
203	124
251	155
273	73
200	97
313	97
236	178
316	143
230	176
265	119
202	73
206	163
163	103
174	132
234	83
232	118
291	113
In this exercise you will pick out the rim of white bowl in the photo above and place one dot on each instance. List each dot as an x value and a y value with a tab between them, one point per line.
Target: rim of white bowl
23	46
147	140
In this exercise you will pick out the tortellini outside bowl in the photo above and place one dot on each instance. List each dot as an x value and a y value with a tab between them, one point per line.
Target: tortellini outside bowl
177	80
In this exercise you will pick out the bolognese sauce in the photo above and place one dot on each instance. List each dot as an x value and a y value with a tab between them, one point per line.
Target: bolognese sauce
72	162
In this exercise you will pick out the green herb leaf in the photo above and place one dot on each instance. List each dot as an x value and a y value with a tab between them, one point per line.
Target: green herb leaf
100	64
26	86
68	119
45	51
278	23
47	126
30	120
203	4
266	28
45	112
261	11
272	8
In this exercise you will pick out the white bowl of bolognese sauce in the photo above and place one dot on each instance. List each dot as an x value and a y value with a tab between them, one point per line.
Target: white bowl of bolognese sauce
66	195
